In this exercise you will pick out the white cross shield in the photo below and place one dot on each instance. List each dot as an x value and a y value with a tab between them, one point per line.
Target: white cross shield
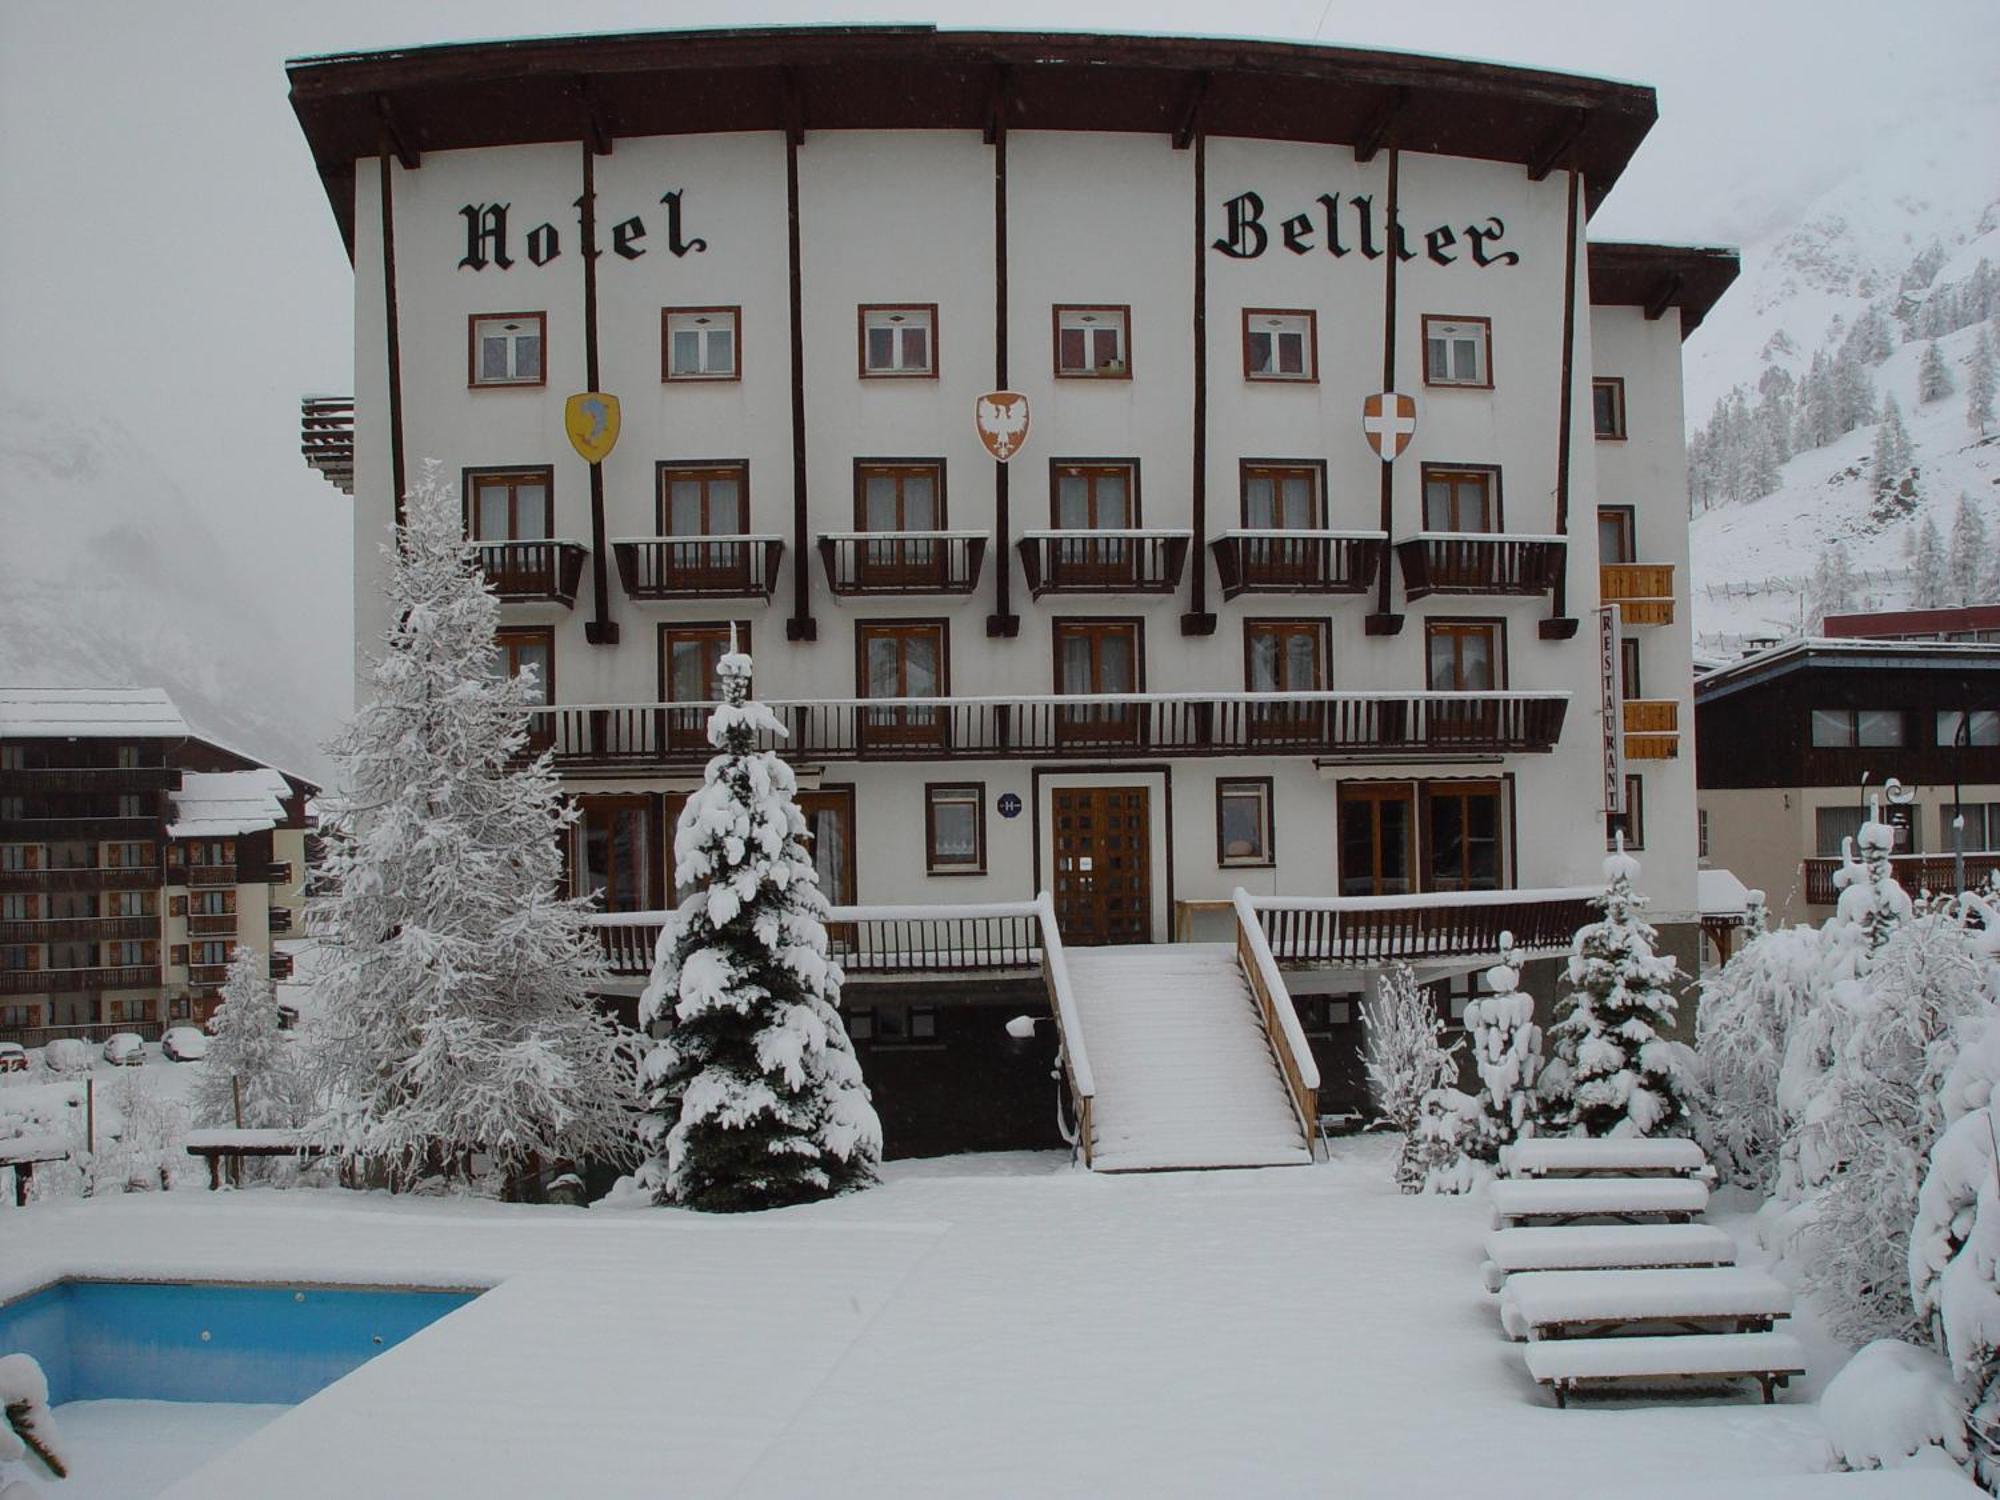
1389	418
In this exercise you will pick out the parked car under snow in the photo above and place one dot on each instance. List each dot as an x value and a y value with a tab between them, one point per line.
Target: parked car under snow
126	1049
184	1044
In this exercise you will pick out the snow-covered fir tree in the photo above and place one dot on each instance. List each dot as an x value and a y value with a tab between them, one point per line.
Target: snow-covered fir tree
455	977
1613	1072
1933	379
1979	384
1967	556
1405	1058
1833	583
755	1099
1506	1052
252	1075
1930	581
1892	450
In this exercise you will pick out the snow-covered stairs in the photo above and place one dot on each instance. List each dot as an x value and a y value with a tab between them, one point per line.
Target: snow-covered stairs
1185	1076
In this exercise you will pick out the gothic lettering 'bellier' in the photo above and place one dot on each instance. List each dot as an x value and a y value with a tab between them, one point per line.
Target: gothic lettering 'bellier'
487	236
1246	237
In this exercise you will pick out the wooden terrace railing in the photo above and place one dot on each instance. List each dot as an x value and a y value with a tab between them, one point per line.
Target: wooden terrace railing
326	438
79	929
37	781
1935	873
528	572
902	562
1362	931
1298	562
1280	1018
1454	562
1644	592
710	567
61	981
220	924
43	830
203	875
1103	562
1342	726
81	878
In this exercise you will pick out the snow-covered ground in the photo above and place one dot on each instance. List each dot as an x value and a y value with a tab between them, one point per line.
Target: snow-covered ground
987	1325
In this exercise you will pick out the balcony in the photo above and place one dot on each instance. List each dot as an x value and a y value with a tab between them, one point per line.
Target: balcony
326	438
281	919
114	830
66	981
203	875
1332	726
860	563
79	929
533	572
1453	562
277	873
1103	562
82	878
1643	592
208	974
1652	729
1298	562
1915	873
220	925
281	966
42	781
716	567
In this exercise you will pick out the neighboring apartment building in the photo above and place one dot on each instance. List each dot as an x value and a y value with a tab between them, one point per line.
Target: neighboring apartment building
1795	743
1194	633
134	857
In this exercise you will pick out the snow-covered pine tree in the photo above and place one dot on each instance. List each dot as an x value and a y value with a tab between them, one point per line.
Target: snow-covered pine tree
1618	1075
1933	379
1930	580
1405	1059
252	1067
1967	555
755	1097
1892	450
1507	1052
1854	391
1979	384
455	978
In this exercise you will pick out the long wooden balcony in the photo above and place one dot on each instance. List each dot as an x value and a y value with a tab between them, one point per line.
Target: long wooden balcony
207	974
220	925
79	929
902	562
42	781
82	878
68	981
873	939
1643	592
533	572
203	875
1454	562
1936	873
281	919
1652	728
1298	562
1332	726
1363	931
715	567
1103	562
326	438
43	830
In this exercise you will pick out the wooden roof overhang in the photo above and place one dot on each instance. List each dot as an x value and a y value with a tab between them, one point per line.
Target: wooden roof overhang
1657	277
600	88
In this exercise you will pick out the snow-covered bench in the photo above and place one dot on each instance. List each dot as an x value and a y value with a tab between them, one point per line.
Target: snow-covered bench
24	1153
1568	1365
1604	1247
1633	1199
1574	1156
1580	1304
219	1146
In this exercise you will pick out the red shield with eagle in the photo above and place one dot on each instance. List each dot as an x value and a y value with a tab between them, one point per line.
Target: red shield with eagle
1002	420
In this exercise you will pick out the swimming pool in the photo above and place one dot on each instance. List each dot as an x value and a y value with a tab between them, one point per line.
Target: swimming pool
209	1341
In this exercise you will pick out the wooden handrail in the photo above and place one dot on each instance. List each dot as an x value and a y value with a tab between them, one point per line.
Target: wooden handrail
1280	1018
1075	1056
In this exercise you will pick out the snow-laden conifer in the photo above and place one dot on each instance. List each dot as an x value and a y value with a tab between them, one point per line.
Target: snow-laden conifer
1614	1073
455	976
1967	555
1507	1052
1892	450
1930	579
1979	384
1933	379
1405	1059
252	1073
755	1097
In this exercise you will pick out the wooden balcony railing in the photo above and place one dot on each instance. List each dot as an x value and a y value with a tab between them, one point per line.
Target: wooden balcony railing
205	974
201	925
873	939
1341	726
67	981
326	438
1452	562
203	875
92	1031
1652	729
79	929
1936	873
1103	562
56	780
902	562
1298	562
1644	592
281	919
82	878
112	830
714	567
1361	931
281	966
278	872
526	572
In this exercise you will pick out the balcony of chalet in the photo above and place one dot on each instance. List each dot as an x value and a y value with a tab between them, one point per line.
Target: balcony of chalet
202	876
45	781
80	930
35	830
655	568
533	572
1652	728
1915	873
221	924
281	920
1103	562
1488	562
1643	592
862	563
326	438
68	981
81	878
1335	727
1298	562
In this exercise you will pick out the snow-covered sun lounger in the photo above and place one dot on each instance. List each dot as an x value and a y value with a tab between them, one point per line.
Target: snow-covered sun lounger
1570	1156
1570	1199
1604	1247
1567	1365
1571	1304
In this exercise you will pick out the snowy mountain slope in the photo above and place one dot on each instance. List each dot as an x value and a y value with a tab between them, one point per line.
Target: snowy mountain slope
110	576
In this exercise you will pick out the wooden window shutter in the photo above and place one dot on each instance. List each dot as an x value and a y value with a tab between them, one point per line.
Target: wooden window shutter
151	950
178	955
177	906
229	902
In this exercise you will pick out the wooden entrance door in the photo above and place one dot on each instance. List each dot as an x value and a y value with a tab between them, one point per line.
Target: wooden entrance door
1103	864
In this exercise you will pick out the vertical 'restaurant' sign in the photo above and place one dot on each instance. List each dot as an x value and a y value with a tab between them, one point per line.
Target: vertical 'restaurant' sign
1611	696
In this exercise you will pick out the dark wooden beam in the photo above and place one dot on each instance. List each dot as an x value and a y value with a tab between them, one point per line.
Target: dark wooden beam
997	102
598	126
1375	135
792	107
1190	120
1663	297
1550	154
405	152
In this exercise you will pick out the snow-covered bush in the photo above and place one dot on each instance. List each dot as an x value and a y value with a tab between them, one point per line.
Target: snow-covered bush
754	1096
26	1422
1955	1275
1507	1052
1447	1123
251	1075
455	977
1613	1072
1406	1059
1749	1009
1892	1404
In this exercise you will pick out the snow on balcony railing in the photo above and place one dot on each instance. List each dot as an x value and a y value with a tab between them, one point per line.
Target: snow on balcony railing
1368	930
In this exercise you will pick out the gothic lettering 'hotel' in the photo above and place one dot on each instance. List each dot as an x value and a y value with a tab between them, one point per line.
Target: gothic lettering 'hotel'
1194	633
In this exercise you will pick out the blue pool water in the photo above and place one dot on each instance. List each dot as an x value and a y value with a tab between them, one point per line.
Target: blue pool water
174	1341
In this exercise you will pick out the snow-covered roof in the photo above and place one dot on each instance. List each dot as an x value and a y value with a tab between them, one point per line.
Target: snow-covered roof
221	804
83	713
1718	893
1790	656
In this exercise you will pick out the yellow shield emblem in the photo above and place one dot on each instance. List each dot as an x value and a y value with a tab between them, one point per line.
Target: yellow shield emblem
591	419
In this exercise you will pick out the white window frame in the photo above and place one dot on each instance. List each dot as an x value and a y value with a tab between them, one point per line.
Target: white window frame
706	322
1444	336
1263	789
513	329
1088	320
901	318
1277	325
